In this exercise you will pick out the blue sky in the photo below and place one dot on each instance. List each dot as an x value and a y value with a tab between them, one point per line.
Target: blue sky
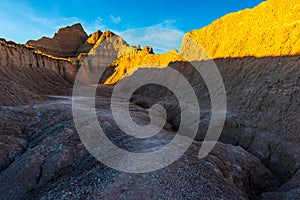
24	20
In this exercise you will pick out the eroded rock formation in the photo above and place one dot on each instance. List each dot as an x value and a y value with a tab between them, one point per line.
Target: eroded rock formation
64	44
105	51
126	65
25	74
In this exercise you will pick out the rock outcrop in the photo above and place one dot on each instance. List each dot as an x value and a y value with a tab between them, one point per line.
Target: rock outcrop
25	74
64	44
270	29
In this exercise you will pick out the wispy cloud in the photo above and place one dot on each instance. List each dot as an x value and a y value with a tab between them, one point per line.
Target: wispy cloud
115	20
162	37
54	23
97	24
101	24
168	23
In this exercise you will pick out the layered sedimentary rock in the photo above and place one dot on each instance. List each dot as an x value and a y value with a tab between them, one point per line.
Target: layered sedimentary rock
270	29
24	74
65	43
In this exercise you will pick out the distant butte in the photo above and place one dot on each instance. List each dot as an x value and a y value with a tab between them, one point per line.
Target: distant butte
64	44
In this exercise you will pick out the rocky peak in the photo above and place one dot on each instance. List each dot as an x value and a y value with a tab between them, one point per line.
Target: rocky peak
148	49
89	43
105	36
93	38
73	28
65	43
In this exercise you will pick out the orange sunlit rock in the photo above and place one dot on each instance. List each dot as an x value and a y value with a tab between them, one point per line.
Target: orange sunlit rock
126	65
89	43
270	29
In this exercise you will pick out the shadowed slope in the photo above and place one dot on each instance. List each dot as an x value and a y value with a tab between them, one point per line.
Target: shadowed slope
24	74
262	104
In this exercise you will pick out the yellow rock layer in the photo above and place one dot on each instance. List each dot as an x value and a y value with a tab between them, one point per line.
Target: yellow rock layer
44	54
270	29
126	65
94	37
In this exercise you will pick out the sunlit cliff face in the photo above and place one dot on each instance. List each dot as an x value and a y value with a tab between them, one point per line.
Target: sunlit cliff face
128	64
270	29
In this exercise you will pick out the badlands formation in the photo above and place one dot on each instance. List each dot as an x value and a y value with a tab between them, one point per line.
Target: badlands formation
257	156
